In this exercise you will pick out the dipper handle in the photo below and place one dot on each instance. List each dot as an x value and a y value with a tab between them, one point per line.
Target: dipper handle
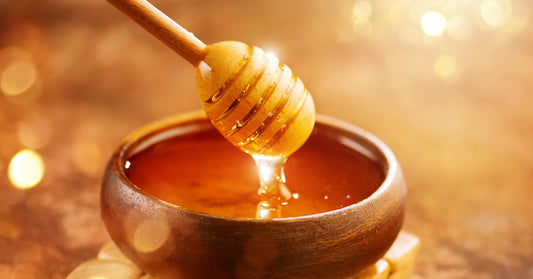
255	101
165	29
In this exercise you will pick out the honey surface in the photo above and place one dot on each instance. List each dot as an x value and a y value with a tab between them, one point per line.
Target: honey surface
203	172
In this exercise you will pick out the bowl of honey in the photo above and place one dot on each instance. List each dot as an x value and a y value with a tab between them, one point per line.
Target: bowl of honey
180	201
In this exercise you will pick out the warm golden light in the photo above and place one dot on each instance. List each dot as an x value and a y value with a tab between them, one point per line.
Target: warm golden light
34	131
9	229
459	28
88	157
271	55
494	13
17	78
26	169
445	66
433	23
104	269
363	27
267	211
150	235
362	10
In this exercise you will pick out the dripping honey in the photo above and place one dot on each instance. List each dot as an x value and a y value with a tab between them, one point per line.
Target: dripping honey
203	172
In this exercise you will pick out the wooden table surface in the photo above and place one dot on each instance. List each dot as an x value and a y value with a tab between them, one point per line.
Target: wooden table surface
455	107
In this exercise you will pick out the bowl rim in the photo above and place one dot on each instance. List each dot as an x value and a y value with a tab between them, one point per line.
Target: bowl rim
389	163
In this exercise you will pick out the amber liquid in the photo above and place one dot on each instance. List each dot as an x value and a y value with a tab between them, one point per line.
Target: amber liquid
203	172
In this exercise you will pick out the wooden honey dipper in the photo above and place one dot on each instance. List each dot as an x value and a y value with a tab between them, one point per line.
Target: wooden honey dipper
255	101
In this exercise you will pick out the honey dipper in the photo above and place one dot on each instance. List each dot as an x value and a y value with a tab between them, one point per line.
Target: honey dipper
255	101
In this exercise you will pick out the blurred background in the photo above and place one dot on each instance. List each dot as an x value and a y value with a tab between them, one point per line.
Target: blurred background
448	85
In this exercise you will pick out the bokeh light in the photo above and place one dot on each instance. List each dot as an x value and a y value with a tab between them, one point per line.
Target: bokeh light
445	67
150	235
26	169
433	23
362	10
17	78
495	13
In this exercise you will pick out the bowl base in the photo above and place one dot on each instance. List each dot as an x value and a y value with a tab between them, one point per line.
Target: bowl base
398	263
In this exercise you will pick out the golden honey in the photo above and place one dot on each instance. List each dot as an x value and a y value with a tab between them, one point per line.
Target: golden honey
203	172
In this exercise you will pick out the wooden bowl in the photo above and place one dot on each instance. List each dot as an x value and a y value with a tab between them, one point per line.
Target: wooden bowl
171	242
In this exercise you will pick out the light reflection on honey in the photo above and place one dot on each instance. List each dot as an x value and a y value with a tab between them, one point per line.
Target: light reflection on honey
26	169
